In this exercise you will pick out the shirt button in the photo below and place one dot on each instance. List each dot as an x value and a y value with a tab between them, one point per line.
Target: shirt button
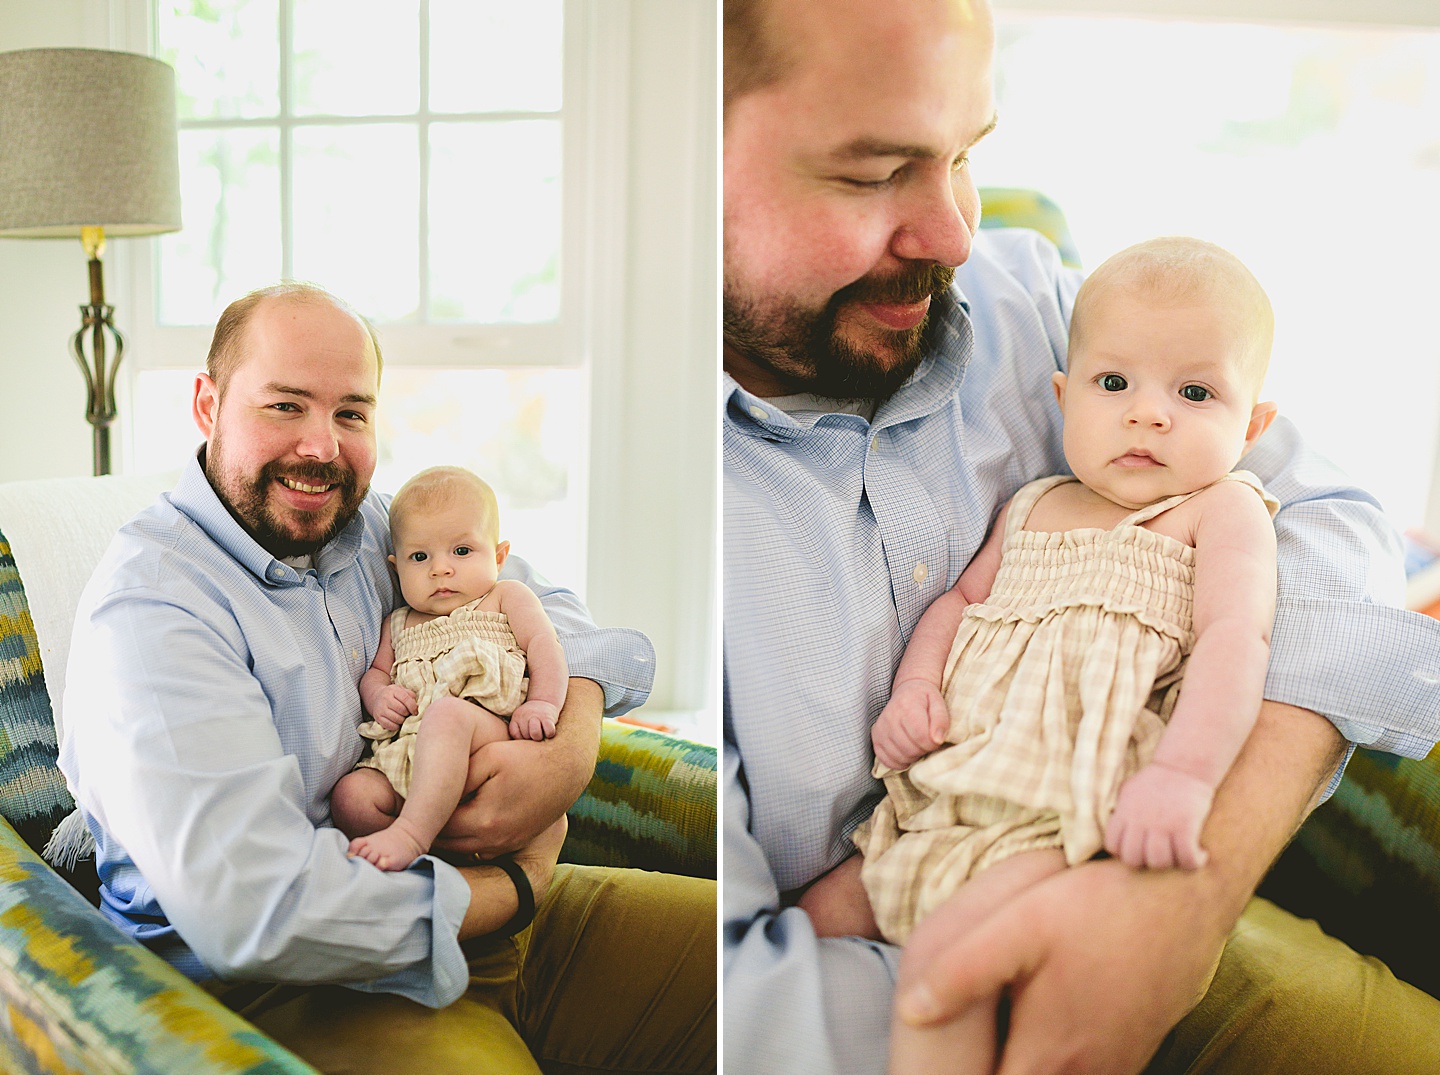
875	444
759	413
354	654
277	571
919	573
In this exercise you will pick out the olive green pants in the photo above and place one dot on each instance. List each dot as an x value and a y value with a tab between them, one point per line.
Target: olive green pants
1288	999
617	974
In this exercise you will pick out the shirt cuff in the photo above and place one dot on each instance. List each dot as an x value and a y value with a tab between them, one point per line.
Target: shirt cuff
1372	670
621	660
443	978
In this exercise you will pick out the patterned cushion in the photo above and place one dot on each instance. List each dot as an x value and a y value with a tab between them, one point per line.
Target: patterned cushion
650	805
33	797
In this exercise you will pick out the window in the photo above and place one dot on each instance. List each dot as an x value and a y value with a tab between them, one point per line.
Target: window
1310	151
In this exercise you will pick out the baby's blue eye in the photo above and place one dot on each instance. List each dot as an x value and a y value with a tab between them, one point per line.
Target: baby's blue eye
1195	393
1113	382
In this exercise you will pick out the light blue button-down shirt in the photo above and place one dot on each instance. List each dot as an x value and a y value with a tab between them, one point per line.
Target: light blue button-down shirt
840	531
211	705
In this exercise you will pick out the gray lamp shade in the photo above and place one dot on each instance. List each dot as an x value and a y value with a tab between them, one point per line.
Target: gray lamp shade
87	137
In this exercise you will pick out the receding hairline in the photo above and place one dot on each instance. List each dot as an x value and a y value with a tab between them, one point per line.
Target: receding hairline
228	342
438	485
752	57
1176	268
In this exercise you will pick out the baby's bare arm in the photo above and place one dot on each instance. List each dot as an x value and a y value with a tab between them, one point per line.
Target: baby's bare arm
1162	808
384	701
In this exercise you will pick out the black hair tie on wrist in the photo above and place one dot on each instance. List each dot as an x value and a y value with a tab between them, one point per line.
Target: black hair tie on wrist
524	896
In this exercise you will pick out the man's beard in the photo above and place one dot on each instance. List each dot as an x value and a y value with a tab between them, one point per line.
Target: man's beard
803	349
248	501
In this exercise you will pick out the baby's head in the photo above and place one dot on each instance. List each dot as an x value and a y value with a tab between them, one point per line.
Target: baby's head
445	525
1169	344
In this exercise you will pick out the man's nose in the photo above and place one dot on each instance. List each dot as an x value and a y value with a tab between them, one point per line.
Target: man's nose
937	221
318	441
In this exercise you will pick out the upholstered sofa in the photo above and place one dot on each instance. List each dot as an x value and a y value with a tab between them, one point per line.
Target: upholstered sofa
75	994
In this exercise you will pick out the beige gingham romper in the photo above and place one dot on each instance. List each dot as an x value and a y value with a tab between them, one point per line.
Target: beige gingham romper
469	654
1058	687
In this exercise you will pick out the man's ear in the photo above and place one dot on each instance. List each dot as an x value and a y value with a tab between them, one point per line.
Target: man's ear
502	550
1260	419
1058	380
205	405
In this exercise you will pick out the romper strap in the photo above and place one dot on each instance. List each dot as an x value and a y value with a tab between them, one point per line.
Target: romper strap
397	622
1024	501
1149	512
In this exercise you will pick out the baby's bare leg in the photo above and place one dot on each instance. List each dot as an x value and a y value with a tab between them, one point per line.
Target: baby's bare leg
451	732
363	802
967	1044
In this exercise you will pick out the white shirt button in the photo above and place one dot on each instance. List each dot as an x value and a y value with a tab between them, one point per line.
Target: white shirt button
354	654
759	413
875	444
919	573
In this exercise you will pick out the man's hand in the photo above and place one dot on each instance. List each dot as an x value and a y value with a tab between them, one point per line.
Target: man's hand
912	724
1157	820
521	787
837	903
391	705
1101	960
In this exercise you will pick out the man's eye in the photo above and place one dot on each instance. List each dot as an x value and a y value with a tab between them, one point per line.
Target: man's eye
871	184
462	550
285	406
1195	393
1113	382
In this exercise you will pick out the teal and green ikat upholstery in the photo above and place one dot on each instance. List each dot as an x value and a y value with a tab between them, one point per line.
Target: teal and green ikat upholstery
650	805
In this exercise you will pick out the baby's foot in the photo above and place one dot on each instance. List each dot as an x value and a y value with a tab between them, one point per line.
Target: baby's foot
392	848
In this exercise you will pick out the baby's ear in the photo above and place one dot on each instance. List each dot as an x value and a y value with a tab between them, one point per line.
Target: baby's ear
391	558
502	550
1058	380
1260	419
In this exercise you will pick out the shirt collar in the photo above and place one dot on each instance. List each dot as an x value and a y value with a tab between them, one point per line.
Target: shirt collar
194	497
930	387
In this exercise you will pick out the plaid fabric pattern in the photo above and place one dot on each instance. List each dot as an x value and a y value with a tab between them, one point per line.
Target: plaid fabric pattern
468	654
1058	687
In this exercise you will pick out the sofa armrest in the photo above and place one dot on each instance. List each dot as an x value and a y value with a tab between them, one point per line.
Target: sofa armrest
649	806
77	995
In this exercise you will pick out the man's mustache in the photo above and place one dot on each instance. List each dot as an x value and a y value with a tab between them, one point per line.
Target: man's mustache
904	288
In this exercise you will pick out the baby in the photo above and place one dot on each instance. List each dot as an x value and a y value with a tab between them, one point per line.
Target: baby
449	669
1036	715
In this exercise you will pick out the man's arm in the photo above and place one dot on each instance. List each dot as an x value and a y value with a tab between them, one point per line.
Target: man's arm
1104	960
524	786
794	1003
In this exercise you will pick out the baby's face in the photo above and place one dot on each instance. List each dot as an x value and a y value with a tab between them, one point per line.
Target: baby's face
1158	400
445	558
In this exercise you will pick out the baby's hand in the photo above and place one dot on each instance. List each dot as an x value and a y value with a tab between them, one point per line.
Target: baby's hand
391	705
534	720
912	724
1158	818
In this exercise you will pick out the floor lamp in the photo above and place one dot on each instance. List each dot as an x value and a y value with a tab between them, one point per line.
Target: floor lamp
88	150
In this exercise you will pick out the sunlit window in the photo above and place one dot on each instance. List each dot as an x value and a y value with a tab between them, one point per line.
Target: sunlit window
1312	153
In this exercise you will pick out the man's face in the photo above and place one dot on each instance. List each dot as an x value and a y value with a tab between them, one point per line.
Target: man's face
848	196
290	447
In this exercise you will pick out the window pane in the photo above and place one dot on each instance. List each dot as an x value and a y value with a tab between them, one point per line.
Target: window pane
1314	159
495	221
226	55
356	57
523	431
356	229
495	55
230	189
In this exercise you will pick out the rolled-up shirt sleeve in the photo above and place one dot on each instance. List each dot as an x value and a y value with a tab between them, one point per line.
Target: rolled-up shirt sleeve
185	770
1340	645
